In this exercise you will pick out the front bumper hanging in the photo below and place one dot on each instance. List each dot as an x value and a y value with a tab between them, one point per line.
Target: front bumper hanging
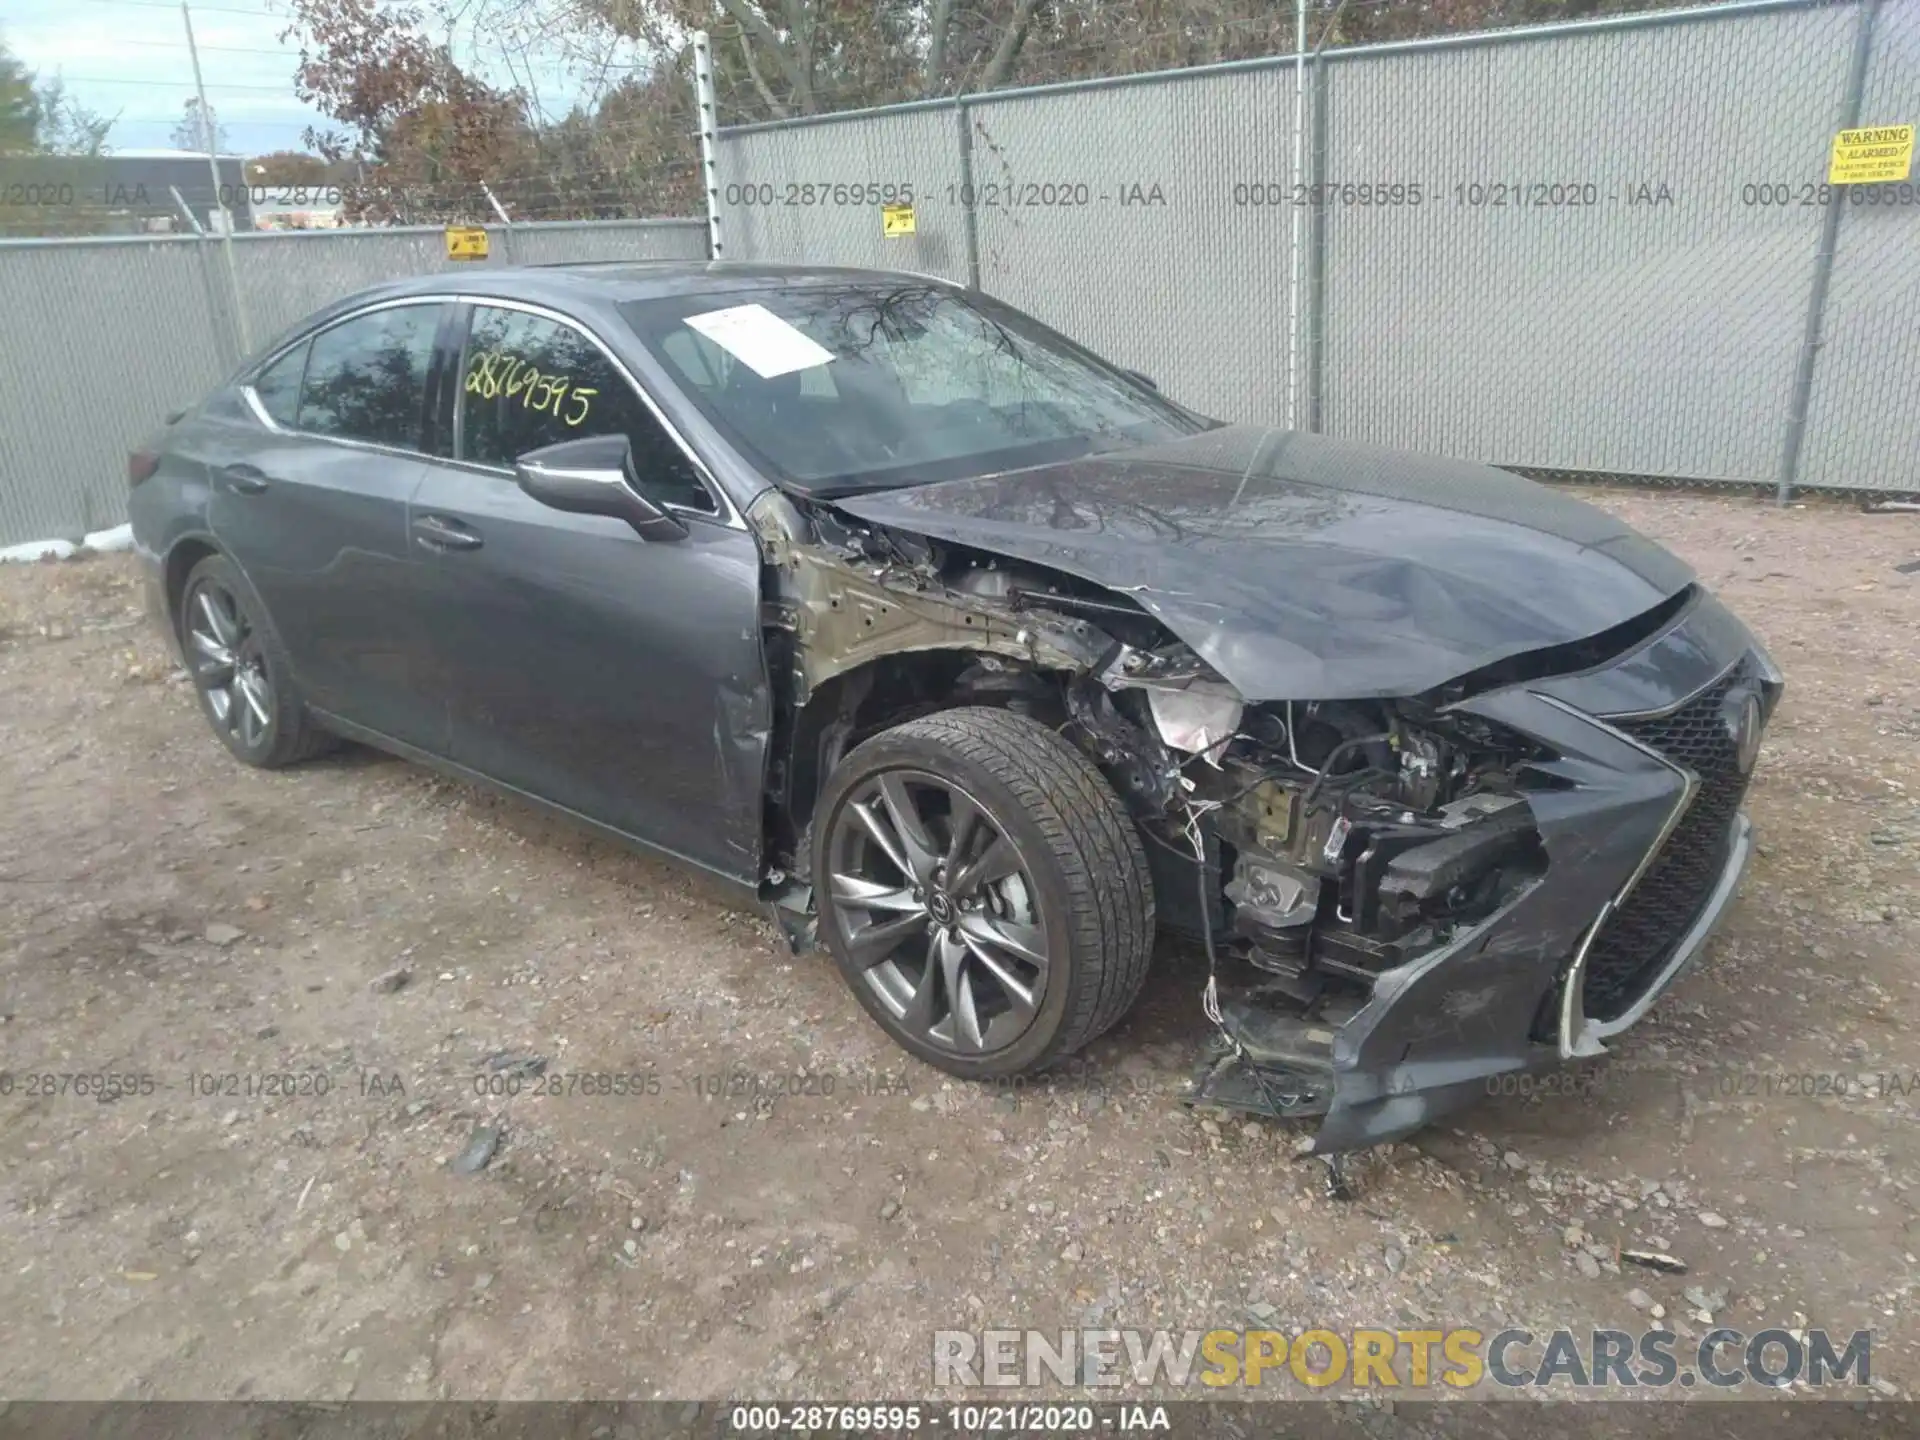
1646	847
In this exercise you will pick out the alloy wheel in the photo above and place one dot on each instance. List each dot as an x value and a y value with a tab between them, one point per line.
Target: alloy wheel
228	666
938	911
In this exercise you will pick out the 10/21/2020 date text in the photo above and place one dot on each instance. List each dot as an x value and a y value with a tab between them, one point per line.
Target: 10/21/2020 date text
988	1419
105	1087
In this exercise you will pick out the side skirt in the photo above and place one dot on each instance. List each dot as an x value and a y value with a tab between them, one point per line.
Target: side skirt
741	890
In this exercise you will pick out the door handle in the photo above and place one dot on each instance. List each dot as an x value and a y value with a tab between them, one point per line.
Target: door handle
243	479
437	532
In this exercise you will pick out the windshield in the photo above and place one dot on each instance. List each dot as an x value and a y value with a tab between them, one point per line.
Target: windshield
853	386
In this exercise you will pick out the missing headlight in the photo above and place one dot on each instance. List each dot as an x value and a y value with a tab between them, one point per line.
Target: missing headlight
1358	836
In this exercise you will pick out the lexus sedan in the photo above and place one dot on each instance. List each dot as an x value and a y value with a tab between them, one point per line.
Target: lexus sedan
975	657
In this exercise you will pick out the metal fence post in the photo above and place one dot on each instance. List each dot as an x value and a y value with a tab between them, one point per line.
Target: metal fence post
969	221
506	222
1316	298
707	117
1801	399
224	343
1295	291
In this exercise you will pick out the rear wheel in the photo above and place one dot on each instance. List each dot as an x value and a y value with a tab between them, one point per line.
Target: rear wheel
239	670
983	891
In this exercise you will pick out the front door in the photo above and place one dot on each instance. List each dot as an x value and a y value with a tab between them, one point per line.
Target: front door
619	678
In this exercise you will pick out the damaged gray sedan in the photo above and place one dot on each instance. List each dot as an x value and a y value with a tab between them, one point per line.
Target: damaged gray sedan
981	661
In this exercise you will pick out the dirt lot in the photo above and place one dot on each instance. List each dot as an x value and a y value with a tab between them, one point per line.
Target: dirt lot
165	913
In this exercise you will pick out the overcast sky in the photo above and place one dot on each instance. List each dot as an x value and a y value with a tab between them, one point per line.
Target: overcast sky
130	57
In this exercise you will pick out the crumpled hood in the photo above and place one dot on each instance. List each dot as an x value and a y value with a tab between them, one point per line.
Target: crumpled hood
1304	567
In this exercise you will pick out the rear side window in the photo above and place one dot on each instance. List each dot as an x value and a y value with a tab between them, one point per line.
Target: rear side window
278	386
527	382
366	378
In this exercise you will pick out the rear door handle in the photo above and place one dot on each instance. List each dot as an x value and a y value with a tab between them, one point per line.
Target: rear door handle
243	479
437	532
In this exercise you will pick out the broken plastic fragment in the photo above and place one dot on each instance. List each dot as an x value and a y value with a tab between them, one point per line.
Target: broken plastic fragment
1197	718
1655	1260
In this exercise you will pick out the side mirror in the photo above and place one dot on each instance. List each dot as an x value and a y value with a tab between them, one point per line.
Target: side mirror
594	476
1140	375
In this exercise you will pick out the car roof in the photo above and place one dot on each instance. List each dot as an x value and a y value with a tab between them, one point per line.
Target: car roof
583	285
613	281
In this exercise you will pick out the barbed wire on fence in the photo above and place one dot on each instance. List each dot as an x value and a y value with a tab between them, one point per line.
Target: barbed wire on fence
594	165
1110	41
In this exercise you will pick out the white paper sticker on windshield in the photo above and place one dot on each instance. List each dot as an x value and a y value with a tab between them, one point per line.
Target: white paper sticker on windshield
761	340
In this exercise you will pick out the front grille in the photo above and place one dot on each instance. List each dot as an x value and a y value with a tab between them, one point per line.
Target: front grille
1641	936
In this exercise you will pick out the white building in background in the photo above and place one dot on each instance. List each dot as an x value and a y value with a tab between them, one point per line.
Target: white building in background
313	206
272	216
132	191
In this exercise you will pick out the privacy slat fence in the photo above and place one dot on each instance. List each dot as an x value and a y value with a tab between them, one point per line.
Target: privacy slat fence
1603	248
102	338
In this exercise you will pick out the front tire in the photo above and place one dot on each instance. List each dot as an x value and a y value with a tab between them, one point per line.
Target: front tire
239	670
983	891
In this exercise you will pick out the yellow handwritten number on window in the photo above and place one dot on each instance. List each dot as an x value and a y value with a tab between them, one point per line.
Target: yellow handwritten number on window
491	374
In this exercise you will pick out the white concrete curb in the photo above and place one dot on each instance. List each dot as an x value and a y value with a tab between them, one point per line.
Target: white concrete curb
100	541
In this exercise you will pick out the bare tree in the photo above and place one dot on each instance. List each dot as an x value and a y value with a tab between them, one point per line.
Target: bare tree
199	129
775	58
66	126
799	57
418	124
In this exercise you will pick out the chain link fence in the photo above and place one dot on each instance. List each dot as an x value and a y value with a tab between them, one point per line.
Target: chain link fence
1601	249
105	337
1863	422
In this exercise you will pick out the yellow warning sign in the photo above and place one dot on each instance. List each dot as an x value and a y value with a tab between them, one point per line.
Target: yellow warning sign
1874	156
896	220
466	242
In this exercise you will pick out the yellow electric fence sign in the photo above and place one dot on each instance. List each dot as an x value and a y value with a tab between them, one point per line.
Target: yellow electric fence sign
466	242
1875	156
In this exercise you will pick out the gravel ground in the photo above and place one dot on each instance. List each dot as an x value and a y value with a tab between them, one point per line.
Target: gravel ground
395	941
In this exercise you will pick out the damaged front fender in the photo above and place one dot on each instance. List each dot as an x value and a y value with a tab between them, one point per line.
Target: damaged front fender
846	606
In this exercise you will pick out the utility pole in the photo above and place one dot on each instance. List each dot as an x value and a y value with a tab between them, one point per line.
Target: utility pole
211	133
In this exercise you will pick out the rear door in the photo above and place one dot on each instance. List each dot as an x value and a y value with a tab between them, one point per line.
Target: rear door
619	678
310	498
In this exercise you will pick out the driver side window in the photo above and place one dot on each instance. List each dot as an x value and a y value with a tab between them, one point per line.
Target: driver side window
528	382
